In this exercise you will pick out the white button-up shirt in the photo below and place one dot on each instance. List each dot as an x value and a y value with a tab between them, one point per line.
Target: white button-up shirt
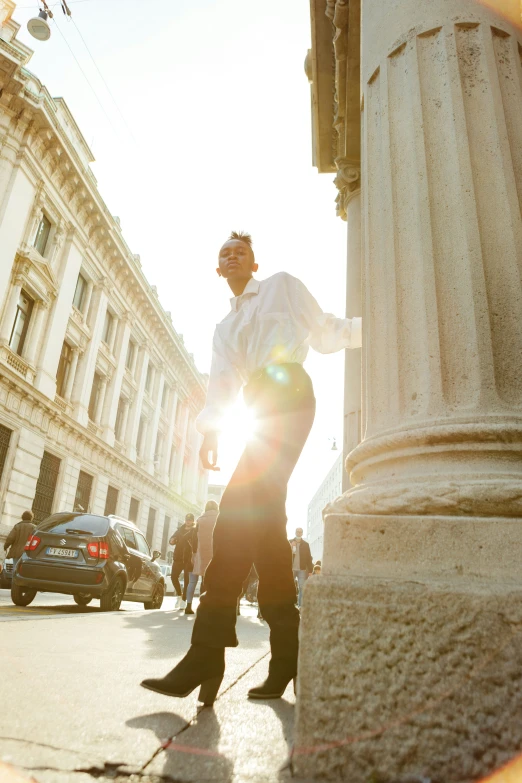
272	322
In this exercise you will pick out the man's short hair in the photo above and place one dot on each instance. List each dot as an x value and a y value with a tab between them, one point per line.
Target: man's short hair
211	506
189	517
242	236
27	516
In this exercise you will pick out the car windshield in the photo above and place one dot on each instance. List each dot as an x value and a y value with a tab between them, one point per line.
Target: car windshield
66	523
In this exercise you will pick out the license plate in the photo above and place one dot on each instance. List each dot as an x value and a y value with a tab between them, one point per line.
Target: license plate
59	552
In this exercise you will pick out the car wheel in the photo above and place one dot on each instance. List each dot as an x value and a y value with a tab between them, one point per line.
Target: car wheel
82	599
110	601
157	598
22	596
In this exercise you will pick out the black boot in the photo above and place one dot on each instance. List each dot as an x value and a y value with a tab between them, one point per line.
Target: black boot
188	610
204	666
280	672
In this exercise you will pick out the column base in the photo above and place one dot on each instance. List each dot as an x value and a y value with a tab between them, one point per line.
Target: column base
404	681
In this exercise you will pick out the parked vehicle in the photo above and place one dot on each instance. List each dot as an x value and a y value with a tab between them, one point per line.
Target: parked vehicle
166	570
6	573
89	556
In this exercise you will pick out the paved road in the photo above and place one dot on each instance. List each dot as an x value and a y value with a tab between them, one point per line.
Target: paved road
72	709
49	604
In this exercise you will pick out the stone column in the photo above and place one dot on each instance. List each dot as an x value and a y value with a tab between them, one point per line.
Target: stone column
135	413
157	391
178	475
10	310
72	373
101	399
416	668
35	331
125	417
85	374
119	343
170	436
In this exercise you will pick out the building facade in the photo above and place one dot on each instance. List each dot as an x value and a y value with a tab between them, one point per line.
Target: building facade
98	394
330	489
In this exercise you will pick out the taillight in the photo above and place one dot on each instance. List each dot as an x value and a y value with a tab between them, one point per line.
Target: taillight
98	549
32	544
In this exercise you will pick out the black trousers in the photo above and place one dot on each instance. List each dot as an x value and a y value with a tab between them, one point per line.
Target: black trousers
177	568
251	525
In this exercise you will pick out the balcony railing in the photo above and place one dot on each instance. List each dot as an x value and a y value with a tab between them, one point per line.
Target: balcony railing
16	363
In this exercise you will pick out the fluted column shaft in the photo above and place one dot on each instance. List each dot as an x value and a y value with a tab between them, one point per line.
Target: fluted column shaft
442	310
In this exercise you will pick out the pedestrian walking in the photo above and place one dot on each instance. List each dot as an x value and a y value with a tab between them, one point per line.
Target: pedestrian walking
185	542
204	529
302	563
18	537
261	345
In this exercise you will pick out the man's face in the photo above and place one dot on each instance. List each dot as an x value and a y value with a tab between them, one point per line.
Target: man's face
236	261
299	532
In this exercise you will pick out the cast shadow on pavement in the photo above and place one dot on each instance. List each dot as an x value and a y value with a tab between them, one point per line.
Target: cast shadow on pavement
190	752
163	627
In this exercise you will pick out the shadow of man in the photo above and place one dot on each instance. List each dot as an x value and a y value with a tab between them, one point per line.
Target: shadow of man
189	750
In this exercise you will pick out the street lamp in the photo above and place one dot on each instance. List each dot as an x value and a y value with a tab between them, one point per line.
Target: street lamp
39	28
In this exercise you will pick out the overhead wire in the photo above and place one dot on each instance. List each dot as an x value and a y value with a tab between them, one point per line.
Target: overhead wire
104	81
86	77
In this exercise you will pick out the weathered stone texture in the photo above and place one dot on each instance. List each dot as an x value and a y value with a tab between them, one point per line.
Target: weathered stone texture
413	681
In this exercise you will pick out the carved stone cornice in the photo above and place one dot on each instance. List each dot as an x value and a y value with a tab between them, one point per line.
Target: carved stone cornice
348	183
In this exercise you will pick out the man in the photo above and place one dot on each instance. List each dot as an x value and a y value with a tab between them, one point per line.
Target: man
261	345
18	537
204	529
302	563
185	542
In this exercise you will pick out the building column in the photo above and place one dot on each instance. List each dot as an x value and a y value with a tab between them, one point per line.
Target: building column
88	297
72	373
35	331
135	413
101	399
125	418
119	343
417	646
165	477
10	311
178	474
85	374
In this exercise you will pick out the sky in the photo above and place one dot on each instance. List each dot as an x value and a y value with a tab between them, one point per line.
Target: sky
200	124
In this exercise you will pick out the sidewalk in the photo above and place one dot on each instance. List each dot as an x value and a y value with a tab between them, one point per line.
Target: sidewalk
78	713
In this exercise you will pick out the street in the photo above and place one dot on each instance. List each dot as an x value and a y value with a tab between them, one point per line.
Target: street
72	708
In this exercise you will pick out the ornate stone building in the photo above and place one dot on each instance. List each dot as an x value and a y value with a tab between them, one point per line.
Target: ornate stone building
331	488
411	651
98	394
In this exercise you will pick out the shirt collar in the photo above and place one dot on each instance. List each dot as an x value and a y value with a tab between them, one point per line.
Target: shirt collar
252	287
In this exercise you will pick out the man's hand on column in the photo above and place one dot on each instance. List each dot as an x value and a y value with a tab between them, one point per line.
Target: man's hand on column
209	447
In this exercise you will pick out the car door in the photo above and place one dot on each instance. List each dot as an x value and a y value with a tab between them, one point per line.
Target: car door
134	560
148	576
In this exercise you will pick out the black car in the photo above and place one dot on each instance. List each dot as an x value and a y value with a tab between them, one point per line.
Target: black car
89	556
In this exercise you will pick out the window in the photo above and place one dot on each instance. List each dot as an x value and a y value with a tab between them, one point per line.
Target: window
95	396
127	535
148	379
42	235
24	309
80	293
46	486
143	547
111	501
118	434
107	328
164	397
131	348
134	510
91	523
64	368
83	492
5	438
165	537
150	525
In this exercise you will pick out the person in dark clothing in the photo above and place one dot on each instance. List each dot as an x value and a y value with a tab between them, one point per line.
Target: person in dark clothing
185	542
302	563
18	537
261	345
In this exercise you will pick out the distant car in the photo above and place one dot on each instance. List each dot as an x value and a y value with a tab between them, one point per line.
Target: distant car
89	556
6	573
166	570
